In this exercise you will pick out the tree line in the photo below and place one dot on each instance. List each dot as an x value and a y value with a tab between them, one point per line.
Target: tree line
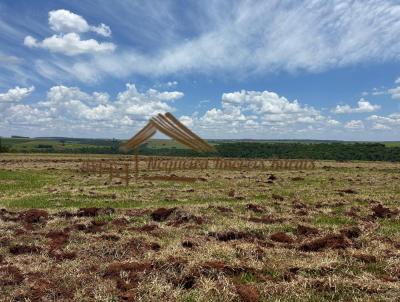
318	151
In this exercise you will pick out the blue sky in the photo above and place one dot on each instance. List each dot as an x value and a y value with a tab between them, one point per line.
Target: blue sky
227	69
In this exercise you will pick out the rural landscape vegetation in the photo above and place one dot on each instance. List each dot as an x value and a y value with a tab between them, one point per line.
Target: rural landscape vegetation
166	150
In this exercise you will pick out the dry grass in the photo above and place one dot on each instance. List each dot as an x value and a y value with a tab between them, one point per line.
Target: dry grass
233	237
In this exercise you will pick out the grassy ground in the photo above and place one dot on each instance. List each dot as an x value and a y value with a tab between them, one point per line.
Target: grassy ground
329	234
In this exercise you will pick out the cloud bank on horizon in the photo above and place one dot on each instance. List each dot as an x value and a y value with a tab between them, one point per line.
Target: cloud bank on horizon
240	69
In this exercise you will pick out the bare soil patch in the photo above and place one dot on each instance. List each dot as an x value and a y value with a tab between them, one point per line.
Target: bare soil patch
331	241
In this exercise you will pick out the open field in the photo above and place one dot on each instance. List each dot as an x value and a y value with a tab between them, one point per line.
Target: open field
329	234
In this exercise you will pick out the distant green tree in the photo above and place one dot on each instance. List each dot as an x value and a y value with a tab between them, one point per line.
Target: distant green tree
114	146
3	148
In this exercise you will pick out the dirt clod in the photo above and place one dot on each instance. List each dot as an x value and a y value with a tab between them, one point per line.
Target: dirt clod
248	293
146	228
281	237
351	232
331	241
227	236
34	216
24	249
61	256
222	209
379	211
110	237
162	214
88	212
179	217
120	222
306	230
114	269
254	207
58	239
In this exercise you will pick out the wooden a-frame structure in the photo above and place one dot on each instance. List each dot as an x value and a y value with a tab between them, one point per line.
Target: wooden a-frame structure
172	127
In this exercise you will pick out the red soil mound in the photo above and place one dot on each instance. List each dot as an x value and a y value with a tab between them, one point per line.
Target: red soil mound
379	211
115	269
255	208
306	230
248	293
179	217
281	237
298	205
65	214
24	249
162	214
332	241
140	246
58	239
110	237
229	235
146	228
34	216
265	219
352	232
61	256
120	222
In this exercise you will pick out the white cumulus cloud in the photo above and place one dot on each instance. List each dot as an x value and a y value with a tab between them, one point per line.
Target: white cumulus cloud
259	114
73	109
144	105
64	21
395	93
68	40
378	126
354	124
70	44
16	94
363	107
389	121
